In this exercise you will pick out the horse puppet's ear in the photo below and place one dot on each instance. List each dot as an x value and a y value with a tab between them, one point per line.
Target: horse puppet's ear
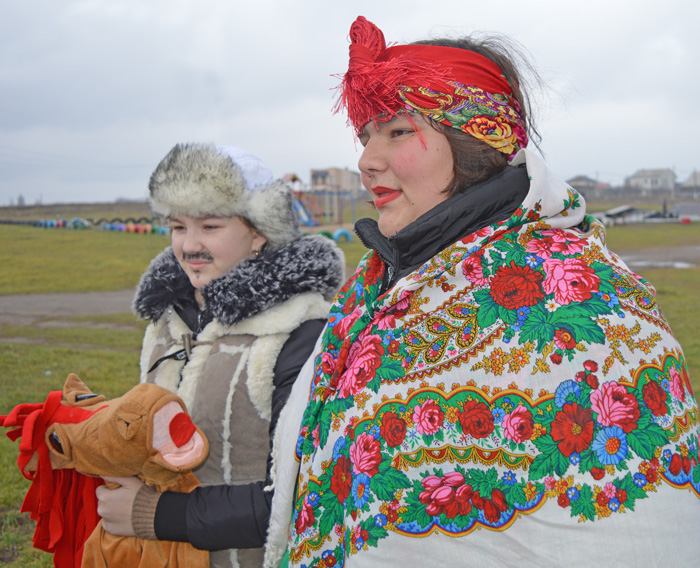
76	393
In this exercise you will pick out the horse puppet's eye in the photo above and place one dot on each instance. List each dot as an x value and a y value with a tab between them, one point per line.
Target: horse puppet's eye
87	396
56	443
127	424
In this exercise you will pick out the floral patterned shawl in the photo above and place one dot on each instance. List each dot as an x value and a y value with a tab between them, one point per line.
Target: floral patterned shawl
520	397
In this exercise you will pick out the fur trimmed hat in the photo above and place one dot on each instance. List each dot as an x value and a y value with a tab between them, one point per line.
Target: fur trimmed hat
200	180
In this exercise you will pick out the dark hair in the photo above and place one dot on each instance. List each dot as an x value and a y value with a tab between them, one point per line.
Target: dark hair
474	160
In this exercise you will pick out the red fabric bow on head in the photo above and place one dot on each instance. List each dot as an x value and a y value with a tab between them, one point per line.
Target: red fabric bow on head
456	87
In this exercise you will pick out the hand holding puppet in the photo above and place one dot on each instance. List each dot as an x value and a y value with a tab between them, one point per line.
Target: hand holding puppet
75	437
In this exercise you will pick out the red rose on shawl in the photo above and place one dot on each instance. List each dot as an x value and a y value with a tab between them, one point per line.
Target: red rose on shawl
374	271
518	425
341	480
305	518
347	301
428	417
570	280
476	419
327	363
573	428
655	398
515	286
393	429
363	360
366	455
615	407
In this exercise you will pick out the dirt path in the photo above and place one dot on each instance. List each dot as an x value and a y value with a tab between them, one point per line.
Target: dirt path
31	309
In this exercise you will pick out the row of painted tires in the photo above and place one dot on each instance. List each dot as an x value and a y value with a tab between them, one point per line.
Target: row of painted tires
128	226
139	228
142	226
62	223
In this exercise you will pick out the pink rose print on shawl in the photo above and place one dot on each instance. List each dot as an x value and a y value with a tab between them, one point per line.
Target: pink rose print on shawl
540	247
363	360
473	271
676	385
615	407
365	455
563	242
570	280
428	417
386	319
343	326
518	425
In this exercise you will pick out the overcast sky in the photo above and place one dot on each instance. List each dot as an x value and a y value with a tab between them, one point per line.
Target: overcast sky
93	93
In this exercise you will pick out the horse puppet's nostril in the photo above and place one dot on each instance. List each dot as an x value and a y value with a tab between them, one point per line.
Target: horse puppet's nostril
181	429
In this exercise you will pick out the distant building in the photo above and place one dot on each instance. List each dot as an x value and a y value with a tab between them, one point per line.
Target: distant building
691	186
336	179
588	187
652	181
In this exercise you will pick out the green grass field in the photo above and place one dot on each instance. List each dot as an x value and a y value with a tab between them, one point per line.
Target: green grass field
36	360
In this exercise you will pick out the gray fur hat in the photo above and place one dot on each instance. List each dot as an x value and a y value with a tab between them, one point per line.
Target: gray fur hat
200	180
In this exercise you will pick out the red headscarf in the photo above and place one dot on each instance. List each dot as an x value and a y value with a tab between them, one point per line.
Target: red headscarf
456	87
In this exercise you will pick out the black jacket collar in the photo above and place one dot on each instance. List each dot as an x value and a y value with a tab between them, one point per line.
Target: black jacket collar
481	205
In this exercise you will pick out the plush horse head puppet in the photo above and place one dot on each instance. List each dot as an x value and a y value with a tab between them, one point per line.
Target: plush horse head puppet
75	437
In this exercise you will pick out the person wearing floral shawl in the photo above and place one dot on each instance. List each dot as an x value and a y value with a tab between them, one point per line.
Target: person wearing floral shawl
494	386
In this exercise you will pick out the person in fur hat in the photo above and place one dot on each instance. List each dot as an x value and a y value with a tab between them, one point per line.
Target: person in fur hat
235	306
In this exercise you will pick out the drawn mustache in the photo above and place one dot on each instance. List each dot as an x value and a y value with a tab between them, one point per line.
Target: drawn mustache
202	255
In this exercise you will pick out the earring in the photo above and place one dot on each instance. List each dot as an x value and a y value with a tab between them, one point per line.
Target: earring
256	252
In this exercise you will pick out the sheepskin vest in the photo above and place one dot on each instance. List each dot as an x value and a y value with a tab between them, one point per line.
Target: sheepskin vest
226	380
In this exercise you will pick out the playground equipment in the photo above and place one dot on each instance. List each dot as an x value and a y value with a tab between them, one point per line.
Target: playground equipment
342	234
323	207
